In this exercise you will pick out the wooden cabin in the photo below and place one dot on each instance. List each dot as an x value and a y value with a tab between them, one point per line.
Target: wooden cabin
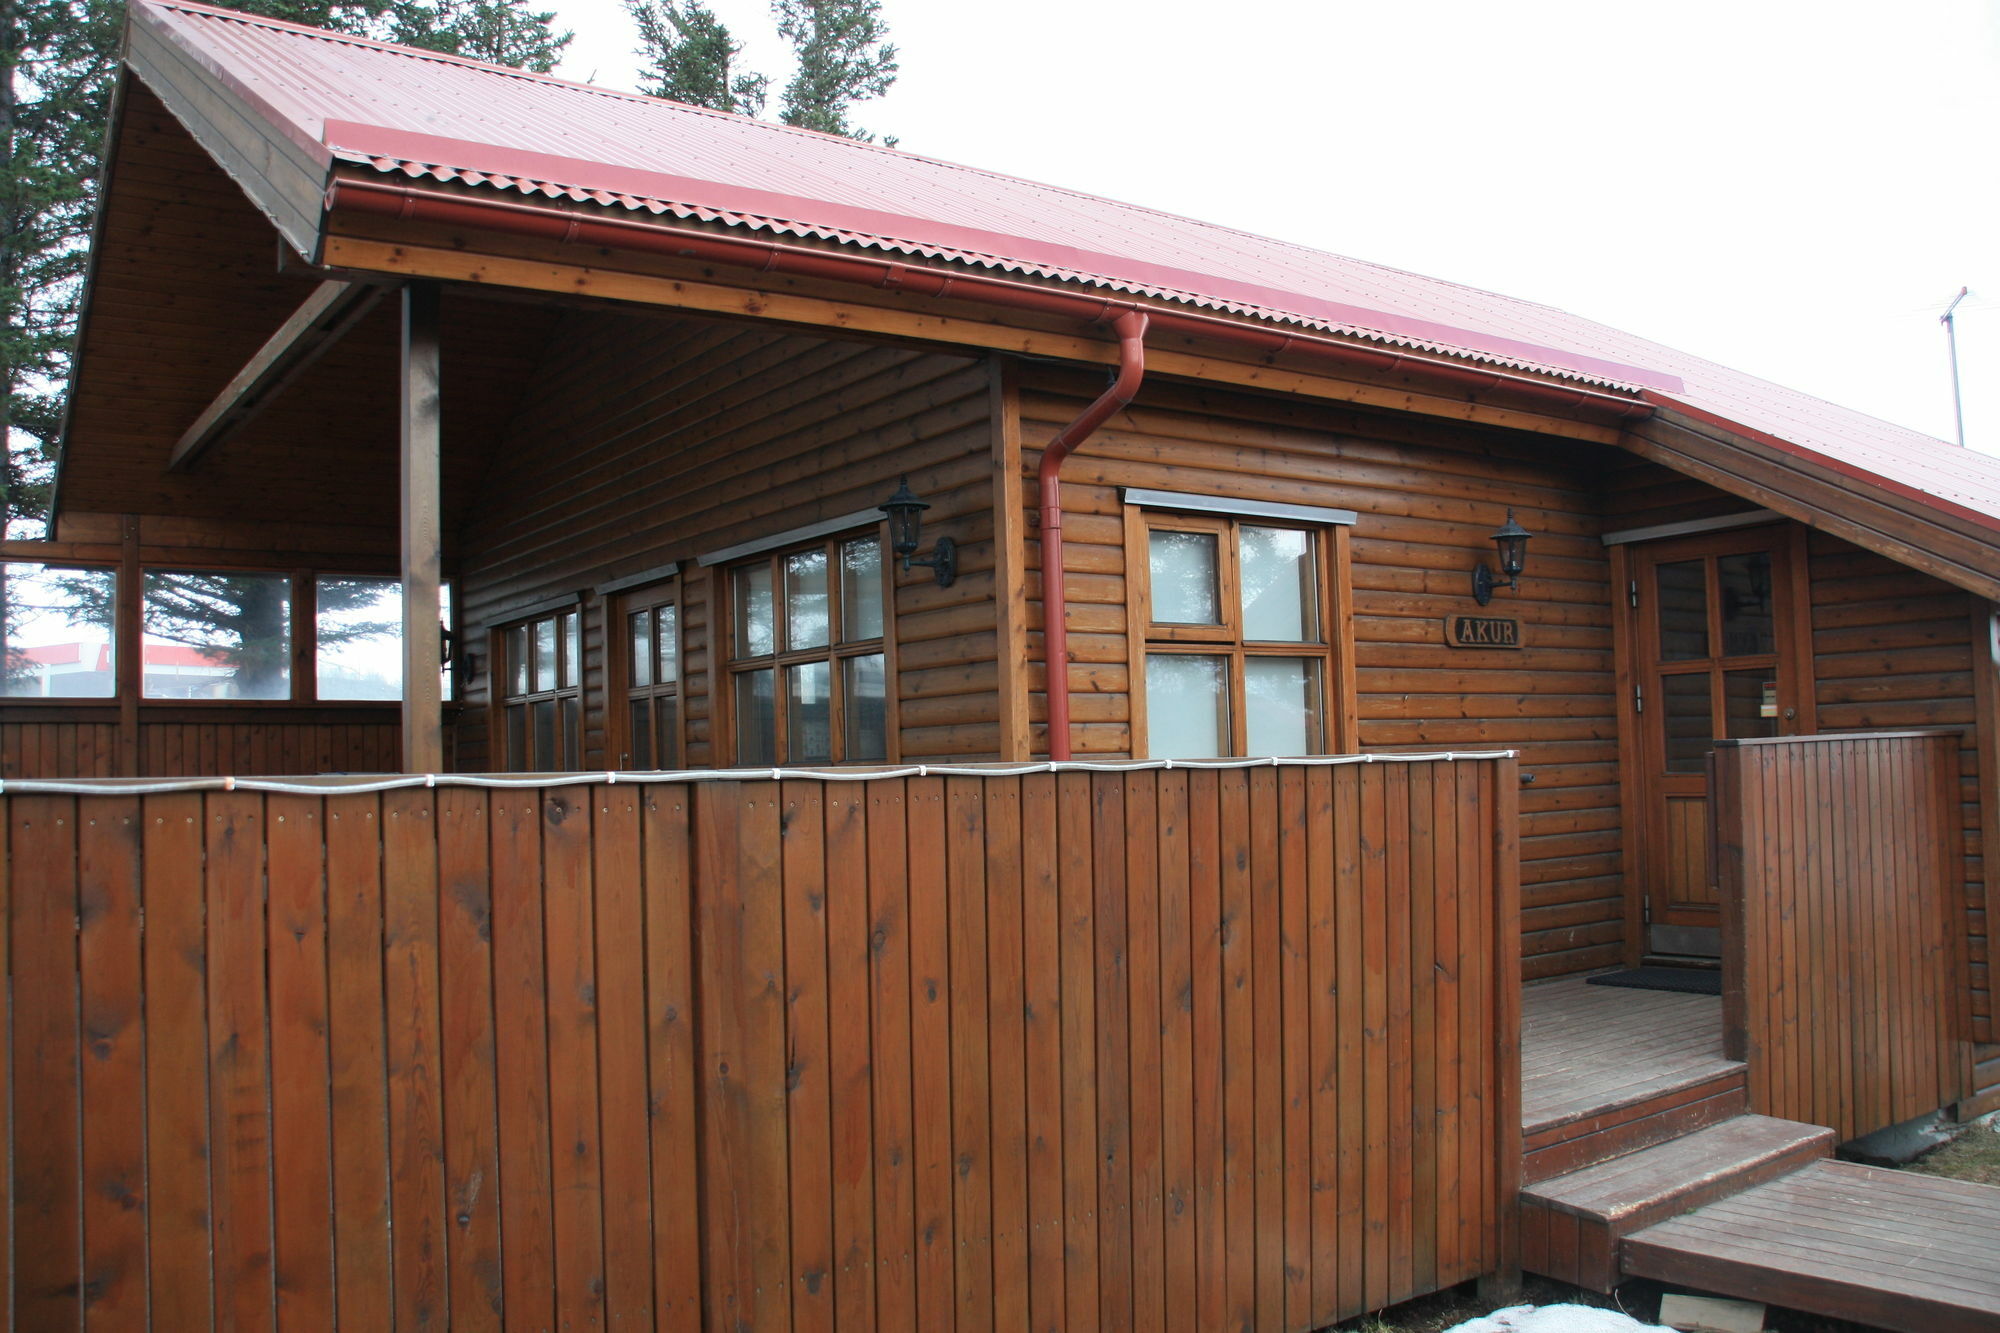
620	391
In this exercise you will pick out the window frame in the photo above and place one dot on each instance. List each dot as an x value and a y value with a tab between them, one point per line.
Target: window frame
502	673
1148	512
623	605
723	622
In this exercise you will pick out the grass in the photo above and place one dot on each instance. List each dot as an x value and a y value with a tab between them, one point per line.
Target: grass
1974	1155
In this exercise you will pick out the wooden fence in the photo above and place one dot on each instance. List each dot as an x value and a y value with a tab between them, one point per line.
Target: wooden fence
1838	861
87	740
1140	1049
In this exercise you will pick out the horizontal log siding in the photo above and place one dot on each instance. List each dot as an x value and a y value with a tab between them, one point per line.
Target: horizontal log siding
1428	498
81	742
1184	1051
1893	648
644	441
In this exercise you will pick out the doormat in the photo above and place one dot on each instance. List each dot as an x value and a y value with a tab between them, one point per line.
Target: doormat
1683	980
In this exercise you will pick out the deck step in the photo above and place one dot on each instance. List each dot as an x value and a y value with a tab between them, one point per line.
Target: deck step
1615	1128
1889	1248
1572	1225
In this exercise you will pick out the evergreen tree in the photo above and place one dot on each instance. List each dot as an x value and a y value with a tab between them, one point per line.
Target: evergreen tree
843	59
690	57
58	62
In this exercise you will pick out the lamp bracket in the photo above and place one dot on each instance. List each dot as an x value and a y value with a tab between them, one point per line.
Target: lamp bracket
942	561
1484	581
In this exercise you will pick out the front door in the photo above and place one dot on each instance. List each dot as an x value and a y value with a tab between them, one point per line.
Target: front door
1715	660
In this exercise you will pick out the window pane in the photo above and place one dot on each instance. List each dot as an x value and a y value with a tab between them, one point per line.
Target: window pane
1187	706
218	636
809	714
805	600
1749	703
641	623
572	649
756	718
666	710
58	632
543	720
1747	626
1185	571
519	663
1281	702
861	590
641	753
359	624
571	709
669	666
545	654
754	633
1280	588
864	696
517	738
1683	589
1690	727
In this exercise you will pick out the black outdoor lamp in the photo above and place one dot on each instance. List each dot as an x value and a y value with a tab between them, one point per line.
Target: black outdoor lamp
1512	539
906	518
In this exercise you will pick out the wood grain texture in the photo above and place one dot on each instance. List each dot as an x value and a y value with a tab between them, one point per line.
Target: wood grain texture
777	1055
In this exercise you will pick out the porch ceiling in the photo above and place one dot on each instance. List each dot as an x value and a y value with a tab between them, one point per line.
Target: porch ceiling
187	287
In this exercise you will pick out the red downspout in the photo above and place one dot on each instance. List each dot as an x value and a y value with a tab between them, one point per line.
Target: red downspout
1131	327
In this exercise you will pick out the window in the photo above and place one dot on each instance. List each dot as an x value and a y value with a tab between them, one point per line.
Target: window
541	703
808	656
58	627
358	637
652	666
217	635
1237	657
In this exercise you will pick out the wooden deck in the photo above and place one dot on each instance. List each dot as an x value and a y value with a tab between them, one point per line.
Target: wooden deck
1883	1247
1606	1071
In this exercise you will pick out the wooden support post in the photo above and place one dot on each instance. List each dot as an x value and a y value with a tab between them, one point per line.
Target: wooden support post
423	704
128	635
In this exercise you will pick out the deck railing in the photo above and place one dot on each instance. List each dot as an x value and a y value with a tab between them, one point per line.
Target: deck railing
1839	867
1155	1048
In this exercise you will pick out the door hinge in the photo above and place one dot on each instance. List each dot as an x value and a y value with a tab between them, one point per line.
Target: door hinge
1638	698
1632	593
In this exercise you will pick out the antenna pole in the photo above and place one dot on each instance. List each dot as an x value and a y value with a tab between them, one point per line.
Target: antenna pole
1951	342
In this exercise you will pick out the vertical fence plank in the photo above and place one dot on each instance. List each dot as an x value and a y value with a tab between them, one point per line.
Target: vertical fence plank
1177	1068
568	920
357	1040
930	1051
849	1055
47	1098
302	1193
808	1099
521	1061
1451	893
673	1068
620	990
415	1049
1079	1047
470	1091
239	1070
1006	1054
1267	1158
1144	1023
1042	1022
1424	1048
889	999
1239	1051
1321	964
1207	1034
1111	1072
109	907
971	1023
1293	960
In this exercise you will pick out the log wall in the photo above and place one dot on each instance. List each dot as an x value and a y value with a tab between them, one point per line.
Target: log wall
1428	498
1183	1050
645	441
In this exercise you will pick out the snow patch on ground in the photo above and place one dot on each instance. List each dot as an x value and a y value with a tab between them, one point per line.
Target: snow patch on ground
1555	1319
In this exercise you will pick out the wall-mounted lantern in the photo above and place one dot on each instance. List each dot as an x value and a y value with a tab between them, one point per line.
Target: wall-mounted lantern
906	517
1512	541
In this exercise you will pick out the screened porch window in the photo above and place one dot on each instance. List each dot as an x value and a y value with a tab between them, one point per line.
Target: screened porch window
652	678
58	626
1237	658
541	708
809	658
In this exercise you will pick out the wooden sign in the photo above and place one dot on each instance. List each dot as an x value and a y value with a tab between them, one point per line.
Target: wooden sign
1482	632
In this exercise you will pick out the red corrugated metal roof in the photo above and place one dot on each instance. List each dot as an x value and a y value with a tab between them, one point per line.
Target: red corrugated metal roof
418	114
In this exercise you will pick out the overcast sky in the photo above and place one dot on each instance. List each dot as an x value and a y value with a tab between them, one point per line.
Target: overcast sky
1792	189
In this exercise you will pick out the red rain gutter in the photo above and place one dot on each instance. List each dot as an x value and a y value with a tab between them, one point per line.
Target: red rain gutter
518	218
1131	328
